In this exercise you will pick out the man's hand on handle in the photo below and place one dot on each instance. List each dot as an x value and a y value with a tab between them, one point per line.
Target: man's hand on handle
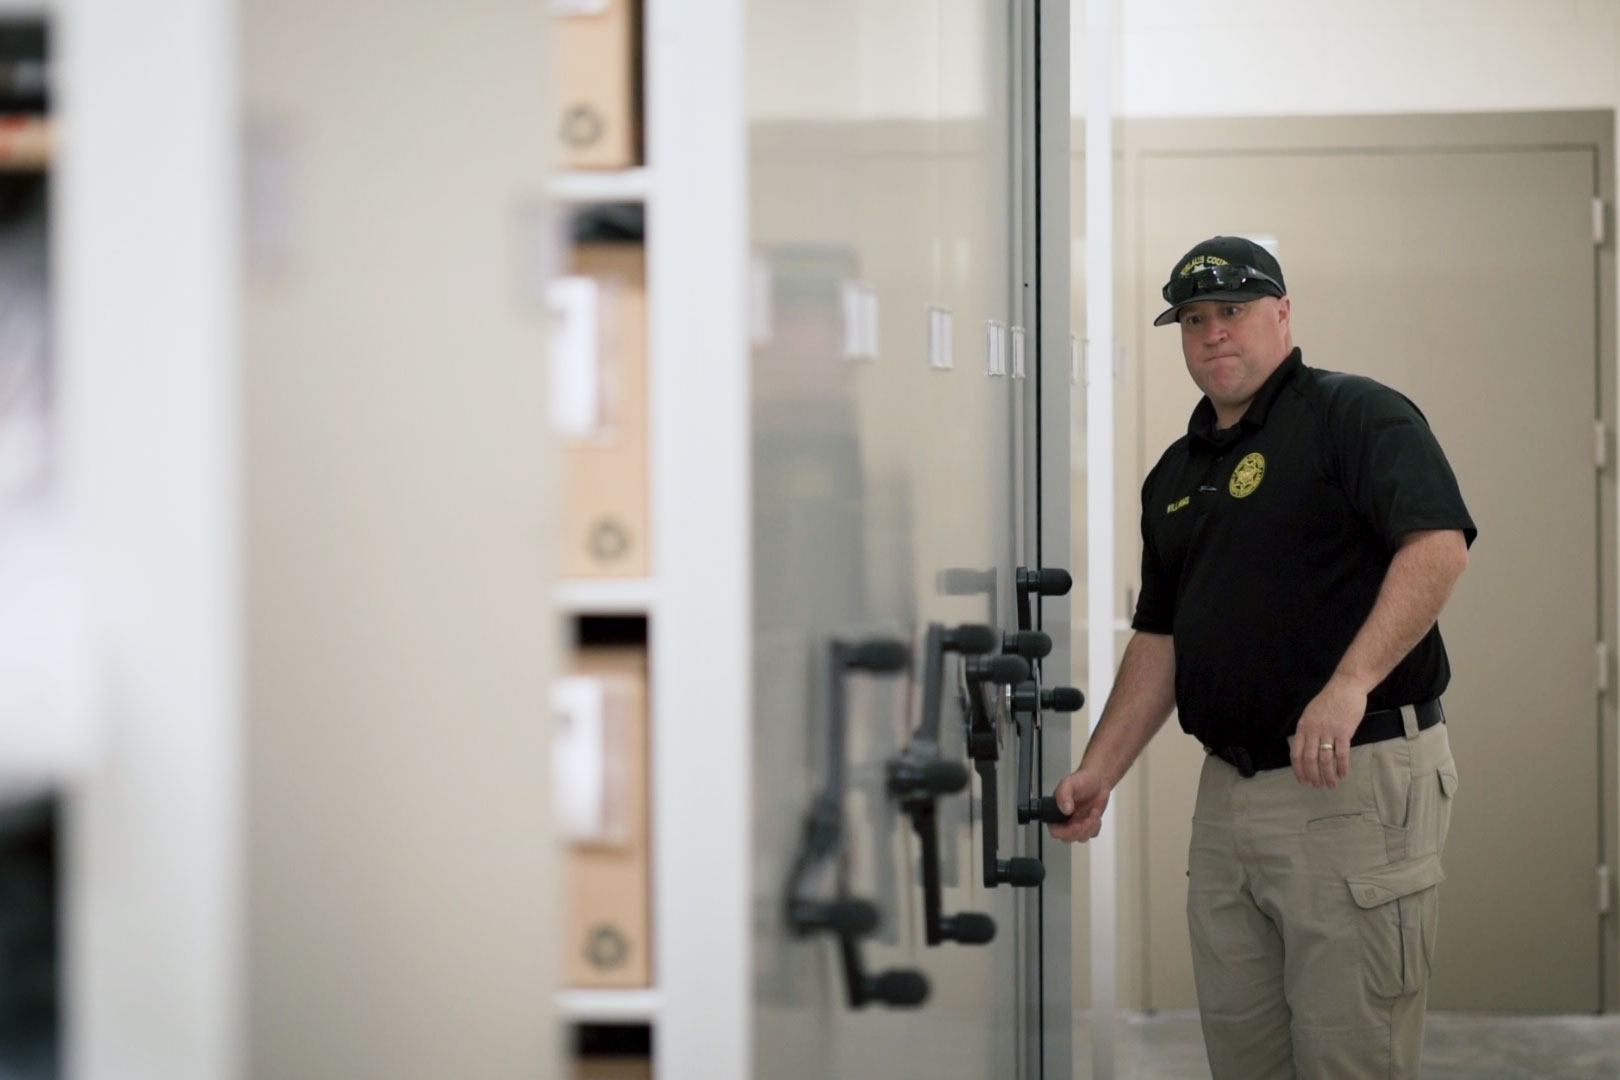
1144	693
1083	796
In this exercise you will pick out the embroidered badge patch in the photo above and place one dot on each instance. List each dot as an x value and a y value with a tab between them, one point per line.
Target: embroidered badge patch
1247	476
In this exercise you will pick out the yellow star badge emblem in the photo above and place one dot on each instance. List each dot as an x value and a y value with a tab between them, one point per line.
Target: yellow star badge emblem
1247	476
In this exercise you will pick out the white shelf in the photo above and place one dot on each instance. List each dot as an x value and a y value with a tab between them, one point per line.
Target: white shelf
608	185
604	596
609	1006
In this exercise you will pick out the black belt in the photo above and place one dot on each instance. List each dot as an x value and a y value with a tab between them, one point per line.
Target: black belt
1375	727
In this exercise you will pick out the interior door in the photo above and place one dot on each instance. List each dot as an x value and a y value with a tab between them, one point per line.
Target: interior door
890	463
1466	279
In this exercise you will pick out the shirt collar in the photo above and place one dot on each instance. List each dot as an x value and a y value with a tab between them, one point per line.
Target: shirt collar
1202	423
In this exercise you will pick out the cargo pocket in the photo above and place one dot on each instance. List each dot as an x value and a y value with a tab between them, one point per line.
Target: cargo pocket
1448	791
1395	902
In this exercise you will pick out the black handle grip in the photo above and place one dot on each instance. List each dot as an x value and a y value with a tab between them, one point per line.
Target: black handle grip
909	778
899	988
971	639
846	918
1049	581
943	777
1050	812
1052	699
1063	699
852	918
1031	644
1042	582
878	655
970	928
1021	873
1001	670
903	989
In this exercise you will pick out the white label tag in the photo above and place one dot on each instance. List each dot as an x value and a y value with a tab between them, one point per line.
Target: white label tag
995	363
853	303
588	769
576	356
1018	369
579	757
939	339
869	322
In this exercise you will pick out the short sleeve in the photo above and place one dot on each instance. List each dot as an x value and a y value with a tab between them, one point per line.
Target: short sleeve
1156	606
1392	467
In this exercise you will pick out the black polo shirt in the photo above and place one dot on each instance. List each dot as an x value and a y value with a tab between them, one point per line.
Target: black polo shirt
1264	546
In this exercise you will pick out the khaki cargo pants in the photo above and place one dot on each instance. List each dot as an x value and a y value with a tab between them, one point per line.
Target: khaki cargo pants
1314	912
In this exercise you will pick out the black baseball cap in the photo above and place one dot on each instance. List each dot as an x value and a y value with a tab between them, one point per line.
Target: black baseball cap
1221	268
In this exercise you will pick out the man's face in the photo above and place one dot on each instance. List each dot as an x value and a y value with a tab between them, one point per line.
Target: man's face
1232	347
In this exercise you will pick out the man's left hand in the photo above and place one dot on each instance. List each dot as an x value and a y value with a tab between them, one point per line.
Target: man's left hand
1331	718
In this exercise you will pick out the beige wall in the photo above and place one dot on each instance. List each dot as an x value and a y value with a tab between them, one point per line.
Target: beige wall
1301	57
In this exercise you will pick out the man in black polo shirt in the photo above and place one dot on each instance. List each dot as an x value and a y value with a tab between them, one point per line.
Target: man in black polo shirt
1297	548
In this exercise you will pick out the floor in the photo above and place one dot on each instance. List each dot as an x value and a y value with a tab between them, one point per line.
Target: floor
1457	1046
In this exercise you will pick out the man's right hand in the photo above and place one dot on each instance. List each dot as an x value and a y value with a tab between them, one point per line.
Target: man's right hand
1083	796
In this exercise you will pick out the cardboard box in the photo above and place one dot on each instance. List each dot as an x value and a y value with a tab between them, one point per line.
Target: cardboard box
25	143
597	122
604	482
613	1068
608	939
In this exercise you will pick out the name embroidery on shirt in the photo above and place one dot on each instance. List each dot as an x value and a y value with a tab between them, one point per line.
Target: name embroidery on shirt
1179	504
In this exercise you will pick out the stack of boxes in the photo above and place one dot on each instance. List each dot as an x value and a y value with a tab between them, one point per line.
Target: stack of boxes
600	412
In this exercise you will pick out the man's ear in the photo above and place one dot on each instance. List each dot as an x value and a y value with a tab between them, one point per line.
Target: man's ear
1285	310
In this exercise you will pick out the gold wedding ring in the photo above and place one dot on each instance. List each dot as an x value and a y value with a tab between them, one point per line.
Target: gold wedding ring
1327	746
